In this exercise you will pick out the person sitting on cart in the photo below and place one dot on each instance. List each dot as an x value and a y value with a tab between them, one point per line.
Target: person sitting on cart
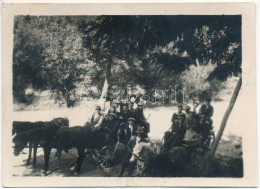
125	113
131	109
141	152
180	112
207	109
175	136
117	104
133	134
111	109
133	101
118	141
179	129
140	118
123	134
205	130
96	119
192	135
168	135
191	118
111	126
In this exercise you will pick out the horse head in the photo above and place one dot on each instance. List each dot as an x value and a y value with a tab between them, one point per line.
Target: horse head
20	141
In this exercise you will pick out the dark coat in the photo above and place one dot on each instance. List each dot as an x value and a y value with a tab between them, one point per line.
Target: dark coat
191	120
207	111
176	115
125	115
205	128
141	120
178	130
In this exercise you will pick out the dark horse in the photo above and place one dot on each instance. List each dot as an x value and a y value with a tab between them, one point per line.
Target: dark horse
24	126
65	138
94	139
169	163
175	162
43	136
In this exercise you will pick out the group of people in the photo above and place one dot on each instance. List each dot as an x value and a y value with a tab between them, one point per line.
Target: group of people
127	119
191	127
132	127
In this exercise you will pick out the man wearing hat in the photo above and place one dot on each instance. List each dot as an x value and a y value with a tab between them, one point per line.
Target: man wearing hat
179	113
175	136
131	108
133	128
111	123
141	152
140	118
125	113
111	120
207	109
96	119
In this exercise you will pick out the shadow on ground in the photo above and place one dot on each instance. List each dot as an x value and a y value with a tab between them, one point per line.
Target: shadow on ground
227	162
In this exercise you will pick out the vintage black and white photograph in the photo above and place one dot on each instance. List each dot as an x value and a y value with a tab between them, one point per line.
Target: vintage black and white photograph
153	91
127	96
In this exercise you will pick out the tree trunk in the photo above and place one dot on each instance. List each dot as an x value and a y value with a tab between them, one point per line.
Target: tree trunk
225	118
222	126
107	80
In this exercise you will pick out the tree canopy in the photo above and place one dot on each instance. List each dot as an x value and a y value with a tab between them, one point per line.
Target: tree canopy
67	53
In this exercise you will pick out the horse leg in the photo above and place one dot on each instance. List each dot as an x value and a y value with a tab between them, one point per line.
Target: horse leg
58	153
80	159
35	146
30	153
47	152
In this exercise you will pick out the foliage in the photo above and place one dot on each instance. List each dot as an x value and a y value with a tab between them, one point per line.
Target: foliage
27	58
194	81
75	56
60	62
66	62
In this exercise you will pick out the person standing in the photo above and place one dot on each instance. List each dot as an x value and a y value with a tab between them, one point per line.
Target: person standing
141	153
140	118
133	128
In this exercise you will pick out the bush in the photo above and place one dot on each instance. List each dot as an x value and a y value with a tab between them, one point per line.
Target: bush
194	82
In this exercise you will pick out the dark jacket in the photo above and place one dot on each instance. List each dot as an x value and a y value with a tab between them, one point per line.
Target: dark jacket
125	115
191	120
141	120
205	128
207	111
176	115
178	130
